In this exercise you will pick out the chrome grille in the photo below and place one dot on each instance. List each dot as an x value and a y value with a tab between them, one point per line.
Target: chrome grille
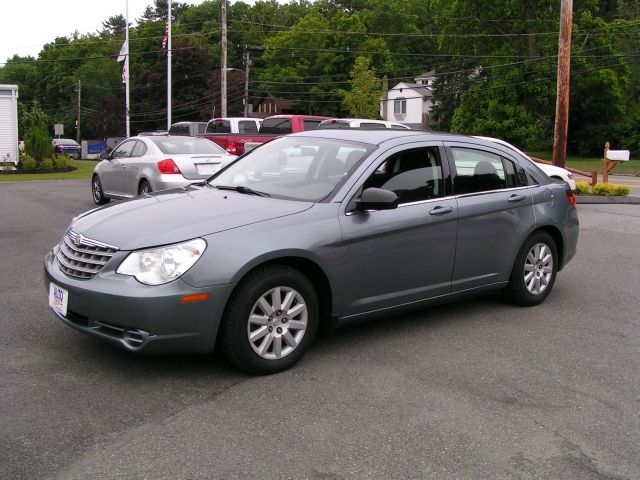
81	257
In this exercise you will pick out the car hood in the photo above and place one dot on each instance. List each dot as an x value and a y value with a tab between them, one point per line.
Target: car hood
176	215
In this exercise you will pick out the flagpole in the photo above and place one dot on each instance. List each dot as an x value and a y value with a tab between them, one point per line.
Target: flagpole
168	64
126	67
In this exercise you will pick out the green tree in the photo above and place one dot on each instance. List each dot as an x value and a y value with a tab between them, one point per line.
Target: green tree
37	141
363	100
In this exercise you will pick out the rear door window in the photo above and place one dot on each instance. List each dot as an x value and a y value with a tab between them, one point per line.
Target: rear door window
477	171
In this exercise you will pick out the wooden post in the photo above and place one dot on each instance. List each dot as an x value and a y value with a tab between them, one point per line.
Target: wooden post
564	80
605	160
609	164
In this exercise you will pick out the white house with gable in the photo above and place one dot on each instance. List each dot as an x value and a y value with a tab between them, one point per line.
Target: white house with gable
411	103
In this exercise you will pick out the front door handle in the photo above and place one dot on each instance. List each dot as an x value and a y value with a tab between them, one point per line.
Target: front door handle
440	210
516	198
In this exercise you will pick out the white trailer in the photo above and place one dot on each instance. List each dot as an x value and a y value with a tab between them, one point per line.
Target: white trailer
9	123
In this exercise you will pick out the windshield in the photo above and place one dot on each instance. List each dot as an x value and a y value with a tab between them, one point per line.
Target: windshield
298	168
187	145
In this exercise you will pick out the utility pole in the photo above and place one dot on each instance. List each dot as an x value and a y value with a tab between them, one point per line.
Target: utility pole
247	65
79	90
564	80
126	73
385	96
223	72
168	64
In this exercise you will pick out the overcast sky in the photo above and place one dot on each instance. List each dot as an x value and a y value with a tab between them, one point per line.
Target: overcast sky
26	25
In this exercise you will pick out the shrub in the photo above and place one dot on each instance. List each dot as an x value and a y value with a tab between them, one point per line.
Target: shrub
47	164
37	142
60	161
583	188
27	163
610	189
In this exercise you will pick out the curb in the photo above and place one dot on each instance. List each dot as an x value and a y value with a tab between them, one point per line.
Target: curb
599	199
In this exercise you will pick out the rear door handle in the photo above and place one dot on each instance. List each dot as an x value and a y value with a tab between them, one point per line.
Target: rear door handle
516	198
440	210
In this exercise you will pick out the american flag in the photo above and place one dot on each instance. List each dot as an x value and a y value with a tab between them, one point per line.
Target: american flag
166	37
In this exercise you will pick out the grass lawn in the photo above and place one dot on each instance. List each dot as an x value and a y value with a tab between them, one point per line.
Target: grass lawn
84	171
589	164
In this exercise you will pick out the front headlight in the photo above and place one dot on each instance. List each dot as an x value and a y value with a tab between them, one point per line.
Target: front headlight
163	264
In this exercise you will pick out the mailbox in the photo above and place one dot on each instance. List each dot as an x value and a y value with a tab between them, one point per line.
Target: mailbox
620	155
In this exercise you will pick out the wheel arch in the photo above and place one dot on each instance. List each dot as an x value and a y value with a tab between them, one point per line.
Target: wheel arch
558	239
308	268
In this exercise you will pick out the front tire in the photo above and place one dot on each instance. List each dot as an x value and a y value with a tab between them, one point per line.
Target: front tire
534	271
96	191
270	321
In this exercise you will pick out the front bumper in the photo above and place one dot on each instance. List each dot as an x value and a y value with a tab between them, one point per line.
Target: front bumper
118	309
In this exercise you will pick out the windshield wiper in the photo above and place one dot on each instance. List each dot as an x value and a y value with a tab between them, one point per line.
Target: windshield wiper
242	189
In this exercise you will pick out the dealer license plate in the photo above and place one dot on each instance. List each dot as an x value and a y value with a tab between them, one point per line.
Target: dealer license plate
207	168
58	299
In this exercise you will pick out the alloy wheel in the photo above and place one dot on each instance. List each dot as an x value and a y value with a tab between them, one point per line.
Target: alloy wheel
538	268
97	190
277	323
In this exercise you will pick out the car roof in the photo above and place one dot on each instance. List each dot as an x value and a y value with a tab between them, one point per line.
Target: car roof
379	137
311	117
234	118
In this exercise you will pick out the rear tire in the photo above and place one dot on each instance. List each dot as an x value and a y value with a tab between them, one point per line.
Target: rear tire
270	321
96	191
144	188
534	271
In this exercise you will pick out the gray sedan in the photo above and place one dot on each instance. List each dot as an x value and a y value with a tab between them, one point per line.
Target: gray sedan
319	228
146	164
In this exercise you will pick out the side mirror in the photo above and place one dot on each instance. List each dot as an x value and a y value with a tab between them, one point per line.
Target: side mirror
105	154
377	199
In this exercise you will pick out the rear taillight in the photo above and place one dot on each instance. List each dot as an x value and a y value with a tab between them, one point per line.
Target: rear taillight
59	148
232	148
168	166
571	197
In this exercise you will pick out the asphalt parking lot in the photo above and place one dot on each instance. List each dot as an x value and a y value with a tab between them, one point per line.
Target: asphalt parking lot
477	389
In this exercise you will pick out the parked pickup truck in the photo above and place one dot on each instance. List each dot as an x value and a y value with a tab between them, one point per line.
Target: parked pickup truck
275	126
233	125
